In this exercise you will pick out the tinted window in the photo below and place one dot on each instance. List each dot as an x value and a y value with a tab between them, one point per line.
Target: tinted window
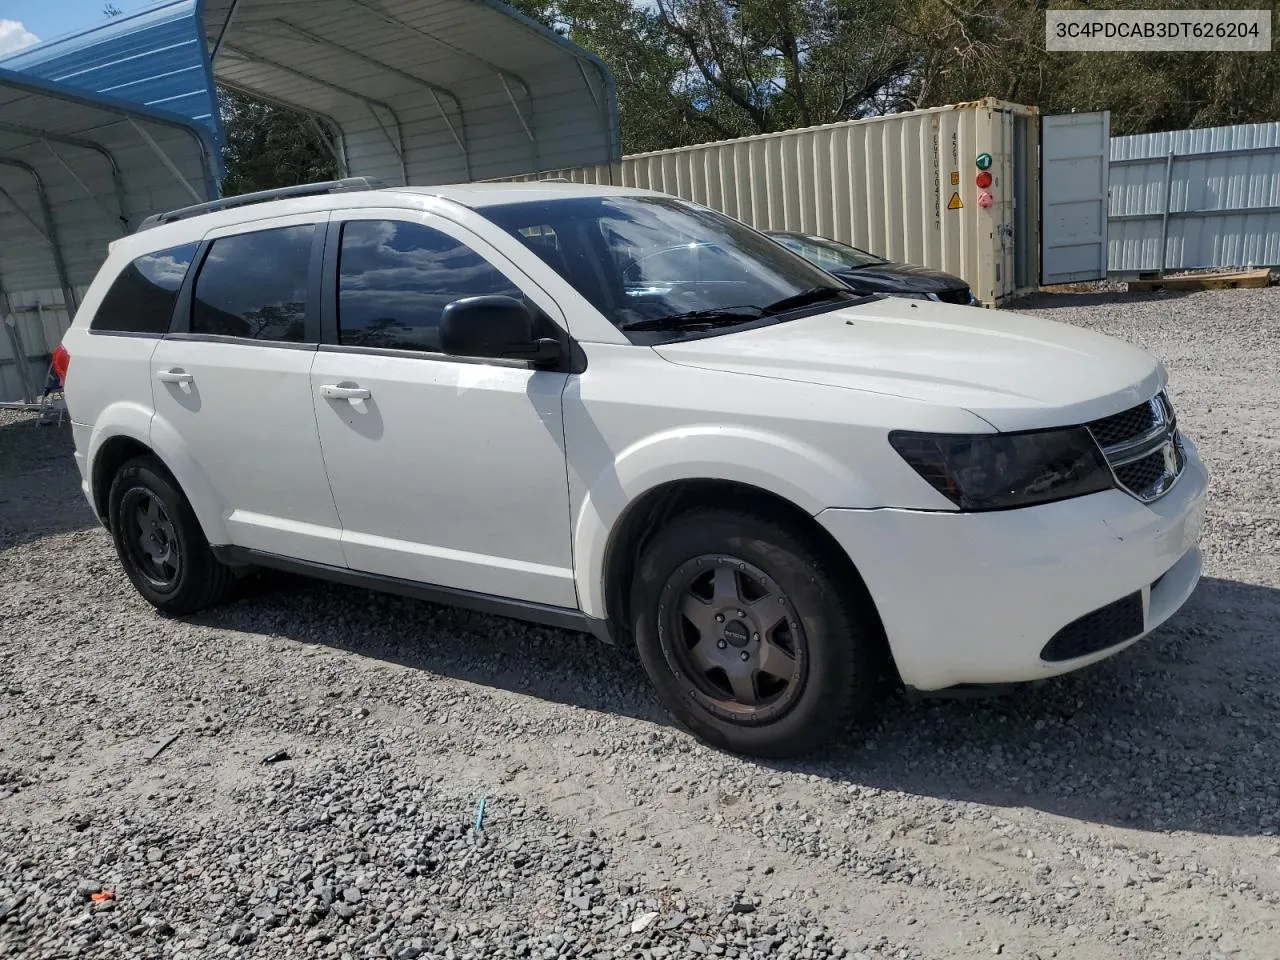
645	260
396	278
254	285
144	295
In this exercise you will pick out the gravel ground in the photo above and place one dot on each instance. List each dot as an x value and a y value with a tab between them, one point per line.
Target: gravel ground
1128	811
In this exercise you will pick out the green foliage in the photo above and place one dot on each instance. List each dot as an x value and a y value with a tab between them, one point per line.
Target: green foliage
269	147
996	48
695	70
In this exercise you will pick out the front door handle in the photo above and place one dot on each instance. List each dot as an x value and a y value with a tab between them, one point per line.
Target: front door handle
176	375
344	391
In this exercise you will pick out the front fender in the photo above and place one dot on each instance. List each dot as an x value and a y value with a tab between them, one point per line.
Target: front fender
797	472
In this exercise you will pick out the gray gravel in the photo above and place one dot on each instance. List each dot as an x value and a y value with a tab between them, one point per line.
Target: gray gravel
1128	811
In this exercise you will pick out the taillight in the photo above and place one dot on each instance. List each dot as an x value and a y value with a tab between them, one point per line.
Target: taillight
61	361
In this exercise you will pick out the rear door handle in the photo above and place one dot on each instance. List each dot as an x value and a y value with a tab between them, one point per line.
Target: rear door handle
176	375
343	391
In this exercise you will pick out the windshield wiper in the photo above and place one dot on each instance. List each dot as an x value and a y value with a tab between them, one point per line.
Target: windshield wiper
806	297
720	317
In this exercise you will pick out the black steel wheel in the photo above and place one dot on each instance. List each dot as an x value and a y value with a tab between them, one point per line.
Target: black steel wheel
752	632
740	648
149	537
159	540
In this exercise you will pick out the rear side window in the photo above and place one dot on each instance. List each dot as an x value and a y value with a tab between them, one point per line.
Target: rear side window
254	285
396	278
144	295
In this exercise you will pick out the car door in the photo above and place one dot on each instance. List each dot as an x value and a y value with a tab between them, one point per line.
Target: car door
233	382
445	471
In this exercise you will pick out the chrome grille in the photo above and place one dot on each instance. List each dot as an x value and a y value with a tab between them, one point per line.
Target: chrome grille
1141	445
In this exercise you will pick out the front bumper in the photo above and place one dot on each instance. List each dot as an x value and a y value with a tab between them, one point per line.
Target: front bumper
974	598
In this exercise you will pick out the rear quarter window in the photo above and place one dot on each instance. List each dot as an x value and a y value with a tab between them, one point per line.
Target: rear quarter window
143	297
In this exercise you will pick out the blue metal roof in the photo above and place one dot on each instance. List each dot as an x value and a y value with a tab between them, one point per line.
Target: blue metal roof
421	91
154	57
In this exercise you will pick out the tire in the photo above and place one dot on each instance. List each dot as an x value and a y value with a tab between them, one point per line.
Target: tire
833	639
159	540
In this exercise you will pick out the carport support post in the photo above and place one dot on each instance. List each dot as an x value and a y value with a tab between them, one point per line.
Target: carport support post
329	144
50	231
10	323
226	28
80	143
59	262
19	357
164	158
1164	219
120	221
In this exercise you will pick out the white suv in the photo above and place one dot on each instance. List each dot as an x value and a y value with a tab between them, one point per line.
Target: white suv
614	411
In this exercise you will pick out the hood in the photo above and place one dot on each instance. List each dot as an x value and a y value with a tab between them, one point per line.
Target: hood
1016	372
899	278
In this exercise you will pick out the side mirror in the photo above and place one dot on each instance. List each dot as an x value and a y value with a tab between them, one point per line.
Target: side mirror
498	328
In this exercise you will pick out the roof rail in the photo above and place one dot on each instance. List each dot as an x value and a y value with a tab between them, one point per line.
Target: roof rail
348	185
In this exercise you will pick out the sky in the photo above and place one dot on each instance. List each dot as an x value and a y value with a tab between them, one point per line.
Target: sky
24	22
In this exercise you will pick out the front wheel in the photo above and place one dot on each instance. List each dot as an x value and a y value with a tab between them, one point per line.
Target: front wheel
159	540
749	638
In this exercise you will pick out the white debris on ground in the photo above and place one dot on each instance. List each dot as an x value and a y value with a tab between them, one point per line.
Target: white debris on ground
1131	810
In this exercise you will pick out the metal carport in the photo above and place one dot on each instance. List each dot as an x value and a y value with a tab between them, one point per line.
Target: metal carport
77	171
421	91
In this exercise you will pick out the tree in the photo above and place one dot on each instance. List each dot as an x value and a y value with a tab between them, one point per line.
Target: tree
268	146
694	70
977	48
689	71
789	63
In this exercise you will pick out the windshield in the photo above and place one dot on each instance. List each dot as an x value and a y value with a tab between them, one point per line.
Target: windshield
828	254
659	263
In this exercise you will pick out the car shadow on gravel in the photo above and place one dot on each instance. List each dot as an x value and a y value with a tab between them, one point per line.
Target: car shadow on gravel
1176	733
39	486
551	664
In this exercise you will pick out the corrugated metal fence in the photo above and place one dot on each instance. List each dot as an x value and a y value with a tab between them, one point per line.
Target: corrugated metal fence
29	332
901	186
1195	198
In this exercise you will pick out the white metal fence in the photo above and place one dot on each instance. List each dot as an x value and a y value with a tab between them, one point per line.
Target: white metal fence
31	326
1195	198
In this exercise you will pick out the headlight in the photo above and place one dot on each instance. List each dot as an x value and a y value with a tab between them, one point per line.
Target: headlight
996	471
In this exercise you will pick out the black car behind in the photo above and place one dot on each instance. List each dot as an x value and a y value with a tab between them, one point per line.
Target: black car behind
867	273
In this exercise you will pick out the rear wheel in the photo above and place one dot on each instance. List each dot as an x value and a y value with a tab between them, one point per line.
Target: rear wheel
159	541
748	637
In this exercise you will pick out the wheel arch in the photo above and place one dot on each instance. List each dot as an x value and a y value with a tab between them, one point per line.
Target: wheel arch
113	453
664	503
796	473
130	435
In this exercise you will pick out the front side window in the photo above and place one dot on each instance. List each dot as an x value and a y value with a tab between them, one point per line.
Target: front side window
143	297
254	285
396	278
658	263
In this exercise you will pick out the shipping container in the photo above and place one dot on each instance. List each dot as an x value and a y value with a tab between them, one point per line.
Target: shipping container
905	186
